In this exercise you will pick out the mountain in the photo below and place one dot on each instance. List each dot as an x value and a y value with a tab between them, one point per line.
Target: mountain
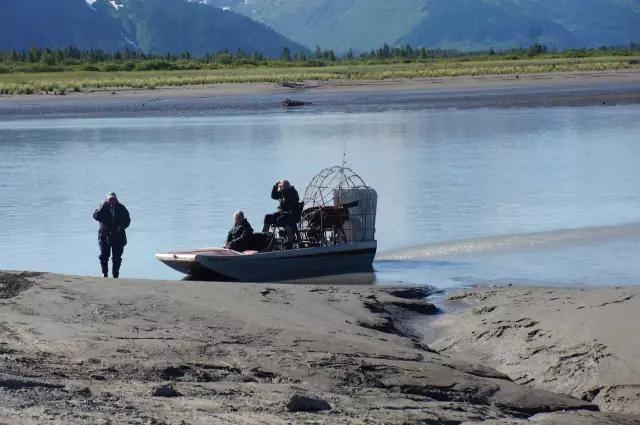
153	26
175	26
476	25
202	26
57	24
462	24
336	24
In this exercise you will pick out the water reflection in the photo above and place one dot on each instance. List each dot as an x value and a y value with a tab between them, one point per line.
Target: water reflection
441	176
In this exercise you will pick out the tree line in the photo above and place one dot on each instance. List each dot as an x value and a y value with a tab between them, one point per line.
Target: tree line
71	58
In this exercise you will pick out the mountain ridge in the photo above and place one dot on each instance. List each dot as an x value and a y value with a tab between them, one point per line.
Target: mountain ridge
209	26
153	26
462	24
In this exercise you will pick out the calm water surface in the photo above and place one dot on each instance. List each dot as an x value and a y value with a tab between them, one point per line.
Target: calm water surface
455	186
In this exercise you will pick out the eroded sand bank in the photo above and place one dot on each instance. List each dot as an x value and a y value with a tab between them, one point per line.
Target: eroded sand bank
88	350
582	342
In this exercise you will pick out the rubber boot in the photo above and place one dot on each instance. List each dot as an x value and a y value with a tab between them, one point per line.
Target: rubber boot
116	269
105	268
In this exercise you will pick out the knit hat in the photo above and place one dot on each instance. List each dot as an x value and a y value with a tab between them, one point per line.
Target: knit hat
111	195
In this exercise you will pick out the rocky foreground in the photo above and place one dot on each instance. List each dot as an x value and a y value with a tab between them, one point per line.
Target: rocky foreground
87	350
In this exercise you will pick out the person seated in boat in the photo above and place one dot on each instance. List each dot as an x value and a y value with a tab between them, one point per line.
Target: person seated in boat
288	214
239	237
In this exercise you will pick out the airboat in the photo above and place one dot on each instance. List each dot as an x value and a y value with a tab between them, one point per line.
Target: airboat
336	235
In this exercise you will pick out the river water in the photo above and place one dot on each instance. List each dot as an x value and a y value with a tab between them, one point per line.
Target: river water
531	196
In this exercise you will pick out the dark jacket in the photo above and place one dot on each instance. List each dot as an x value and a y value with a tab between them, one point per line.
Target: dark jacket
288	198
112	227
239	232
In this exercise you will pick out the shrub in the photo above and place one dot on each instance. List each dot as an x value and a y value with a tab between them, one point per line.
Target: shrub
37	67
536	49
313	63
155	65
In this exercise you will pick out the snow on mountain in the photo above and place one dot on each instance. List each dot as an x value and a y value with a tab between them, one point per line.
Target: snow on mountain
114	3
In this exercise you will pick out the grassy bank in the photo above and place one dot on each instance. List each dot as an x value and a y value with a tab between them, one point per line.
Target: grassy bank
66	81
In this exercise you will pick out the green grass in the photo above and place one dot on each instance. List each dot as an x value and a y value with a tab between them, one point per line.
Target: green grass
66	81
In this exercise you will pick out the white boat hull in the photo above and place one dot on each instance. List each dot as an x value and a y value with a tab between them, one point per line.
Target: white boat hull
223	264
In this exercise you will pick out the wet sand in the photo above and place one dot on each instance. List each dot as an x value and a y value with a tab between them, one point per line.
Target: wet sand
91	350
531	90
580	342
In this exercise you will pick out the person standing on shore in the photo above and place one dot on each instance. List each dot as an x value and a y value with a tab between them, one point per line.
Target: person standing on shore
114	219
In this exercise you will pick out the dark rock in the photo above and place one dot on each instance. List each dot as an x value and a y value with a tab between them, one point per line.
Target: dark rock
307	403
291	103
85	392
173	372
165	391
591	394
375	307
263	374
421	307
8	382
12	284
382	324
412	293
203	376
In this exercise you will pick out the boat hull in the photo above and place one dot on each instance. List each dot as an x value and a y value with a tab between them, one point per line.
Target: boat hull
275	265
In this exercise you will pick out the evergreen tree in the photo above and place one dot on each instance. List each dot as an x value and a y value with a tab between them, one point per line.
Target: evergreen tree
285	55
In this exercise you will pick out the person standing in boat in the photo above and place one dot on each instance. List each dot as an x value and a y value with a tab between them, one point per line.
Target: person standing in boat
114	219
288	213
239	237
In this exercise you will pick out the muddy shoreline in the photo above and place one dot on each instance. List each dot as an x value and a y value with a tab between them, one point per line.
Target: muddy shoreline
90	350
535	90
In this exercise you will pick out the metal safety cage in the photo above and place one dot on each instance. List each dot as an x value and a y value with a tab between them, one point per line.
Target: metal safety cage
338	208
